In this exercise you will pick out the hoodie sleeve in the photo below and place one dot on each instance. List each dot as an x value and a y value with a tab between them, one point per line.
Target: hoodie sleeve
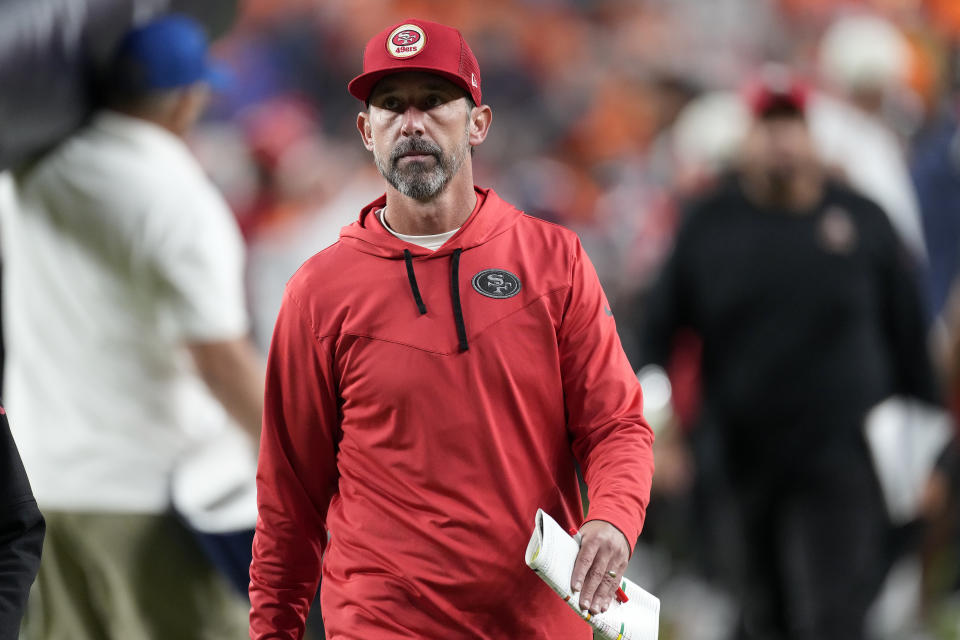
296	476
21	535
611	439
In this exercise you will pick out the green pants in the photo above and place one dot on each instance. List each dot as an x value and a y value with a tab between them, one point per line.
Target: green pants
110	576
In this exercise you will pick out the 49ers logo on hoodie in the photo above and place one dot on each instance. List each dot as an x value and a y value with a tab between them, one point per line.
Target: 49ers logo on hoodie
496	283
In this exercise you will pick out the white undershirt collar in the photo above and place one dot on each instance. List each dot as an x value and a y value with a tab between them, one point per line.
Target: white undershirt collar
432	242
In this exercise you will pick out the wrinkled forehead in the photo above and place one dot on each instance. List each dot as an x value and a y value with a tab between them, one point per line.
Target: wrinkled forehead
413	82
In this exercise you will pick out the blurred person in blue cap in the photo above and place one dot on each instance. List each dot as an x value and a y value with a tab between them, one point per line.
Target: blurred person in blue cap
161	73
128	352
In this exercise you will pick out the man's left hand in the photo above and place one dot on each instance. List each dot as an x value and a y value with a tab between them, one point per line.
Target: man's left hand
603	549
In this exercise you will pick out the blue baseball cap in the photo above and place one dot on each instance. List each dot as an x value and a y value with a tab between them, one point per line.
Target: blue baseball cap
165	53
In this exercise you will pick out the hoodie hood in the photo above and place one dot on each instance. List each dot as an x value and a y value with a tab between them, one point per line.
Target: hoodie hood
491	217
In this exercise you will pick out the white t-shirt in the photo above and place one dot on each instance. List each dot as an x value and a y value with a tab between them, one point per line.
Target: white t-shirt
117	250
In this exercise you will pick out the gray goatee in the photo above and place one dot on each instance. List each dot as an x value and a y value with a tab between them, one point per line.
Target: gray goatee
416	179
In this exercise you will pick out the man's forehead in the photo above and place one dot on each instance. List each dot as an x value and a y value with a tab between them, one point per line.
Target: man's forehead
783	120
414	81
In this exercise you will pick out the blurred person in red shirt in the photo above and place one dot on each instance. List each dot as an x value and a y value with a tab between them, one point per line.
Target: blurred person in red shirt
421	420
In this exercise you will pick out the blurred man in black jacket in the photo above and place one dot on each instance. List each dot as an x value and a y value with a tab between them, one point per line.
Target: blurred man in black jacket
21	535
809	316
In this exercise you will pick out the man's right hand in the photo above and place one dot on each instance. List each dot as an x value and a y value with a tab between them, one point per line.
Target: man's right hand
603	549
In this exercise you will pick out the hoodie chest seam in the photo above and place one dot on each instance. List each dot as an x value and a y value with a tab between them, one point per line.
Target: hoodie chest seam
367	336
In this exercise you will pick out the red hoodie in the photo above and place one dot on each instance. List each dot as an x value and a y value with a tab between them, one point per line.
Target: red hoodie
421	406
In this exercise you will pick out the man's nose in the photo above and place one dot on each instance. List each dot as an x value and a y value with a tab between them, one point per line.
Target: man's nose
412	123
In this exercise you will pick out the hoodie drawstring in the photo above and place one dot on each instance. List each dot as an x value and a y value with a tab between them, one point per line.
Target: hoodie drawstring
407	256
454	293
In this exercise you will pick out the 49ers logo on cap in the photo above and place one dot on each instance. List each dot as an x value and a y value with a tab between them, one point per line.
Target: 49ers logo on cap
405	41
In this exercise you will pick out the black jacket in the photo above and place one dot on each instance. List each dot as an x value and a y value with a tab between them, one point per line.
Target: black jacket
807	320
21	535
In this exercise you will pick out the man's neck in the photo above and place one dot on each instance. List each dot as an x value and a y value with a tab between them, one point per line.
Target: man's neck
152	118
447	211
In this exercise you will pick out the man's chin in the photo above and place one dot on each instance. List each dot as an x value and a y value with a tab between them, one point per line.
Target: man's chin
414	174
419	190
781	176
423	196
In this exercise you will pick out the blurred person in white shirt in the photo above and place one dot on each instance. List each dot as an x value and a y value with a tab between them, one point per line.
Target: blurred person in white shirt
862	60
126	331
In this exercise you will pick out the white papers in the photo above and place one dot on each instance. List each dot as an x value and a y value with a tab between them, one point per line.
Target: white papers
551	553
215	487
905	439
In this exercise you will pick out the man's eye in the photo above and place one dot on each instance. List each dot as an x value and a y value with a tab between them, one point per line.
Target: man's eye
433	101
391	103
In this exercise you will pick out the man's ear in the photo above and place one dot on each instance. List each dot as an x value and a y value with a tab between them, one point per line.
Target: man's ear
363	126
184	106
480	119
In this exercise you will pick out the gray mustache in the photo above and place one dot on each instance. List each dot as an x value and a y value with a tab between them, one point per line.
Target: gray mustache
415	145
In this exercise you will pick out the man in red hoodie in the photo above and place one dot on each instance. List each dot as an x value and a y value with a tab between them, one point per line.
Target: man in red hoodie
433	378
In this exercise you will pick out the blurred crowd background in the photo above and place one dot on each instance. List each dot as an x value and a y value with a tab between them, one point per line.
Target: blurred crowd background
609	115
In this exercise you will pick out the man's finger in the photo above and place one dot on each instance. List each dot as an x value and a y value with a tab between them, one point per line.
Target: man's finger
593	579
584	560
608	587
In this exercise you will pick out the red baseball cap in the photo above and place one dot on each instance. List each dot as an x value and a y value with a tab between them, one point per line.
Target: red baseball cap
418	45
776	89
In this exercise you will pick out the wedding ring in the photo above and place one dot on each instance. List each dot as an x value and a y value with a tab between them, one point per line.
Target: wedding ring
612	574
